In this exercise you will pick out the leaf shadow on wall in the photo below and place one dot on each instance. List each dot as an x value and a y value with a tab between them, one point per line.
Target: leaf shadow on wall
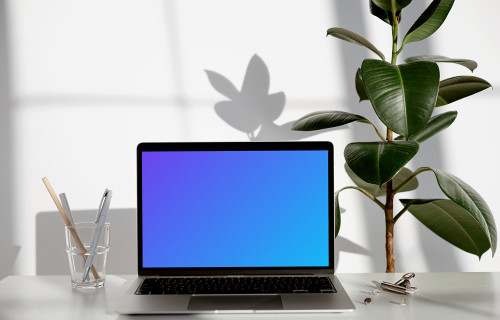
253	110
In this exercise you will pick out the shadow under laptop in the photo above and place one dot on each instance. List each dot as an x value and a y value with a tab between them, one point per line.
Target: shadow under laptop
319	316
51	258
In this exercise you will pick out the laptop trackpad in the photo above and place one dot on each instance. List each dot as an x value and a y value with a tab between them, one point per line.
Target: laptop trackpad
239	302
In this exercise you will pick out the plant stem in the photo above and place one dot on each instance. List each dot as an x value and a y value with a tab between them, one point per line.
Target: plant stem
395	24
389	229
389	200
389	222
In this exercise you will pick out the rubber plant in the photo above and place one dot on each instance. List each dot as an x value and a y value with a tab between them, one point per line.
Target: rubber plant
404	97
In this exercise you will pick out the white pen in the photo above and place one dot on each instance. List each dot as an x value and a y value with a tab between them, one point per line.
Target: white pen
101	218
65	204
99	209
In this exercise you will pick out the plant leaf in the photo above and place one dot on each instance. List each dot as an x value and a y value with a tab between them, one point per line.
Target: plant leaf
452	223
468	198
379	191
360	87
430	20
337	214
469	64
355	38
435	125
384	15
402	96
326	119
378	162
456	88
386	4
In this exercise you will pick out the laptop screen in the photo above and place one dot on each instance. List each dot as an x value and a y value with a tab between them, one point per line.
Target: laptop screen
235	205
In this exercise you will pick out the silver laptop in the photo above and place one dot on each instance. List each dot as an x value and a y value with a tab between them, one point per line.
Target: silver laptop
235	227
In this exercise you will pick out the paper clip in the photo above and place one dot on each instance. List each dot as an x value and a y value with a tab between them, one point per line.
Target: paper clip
402	286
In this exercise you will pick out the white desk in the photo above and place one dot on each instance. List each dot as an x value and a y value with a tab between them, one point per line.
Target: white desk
440	296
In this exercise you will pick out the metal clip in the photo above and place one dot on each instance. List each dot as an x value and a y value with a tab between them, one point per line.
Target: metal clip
402	286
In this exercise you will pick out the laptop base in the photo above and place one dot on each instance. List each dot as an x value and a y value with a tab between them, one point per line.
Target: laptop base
131	303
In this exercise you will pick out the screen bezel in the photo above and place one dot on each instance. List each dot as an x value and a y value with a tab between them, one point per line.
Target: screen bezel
234	146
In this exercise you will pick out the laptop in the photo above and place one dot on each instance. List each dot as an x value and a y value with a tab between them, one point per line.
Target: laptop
235	227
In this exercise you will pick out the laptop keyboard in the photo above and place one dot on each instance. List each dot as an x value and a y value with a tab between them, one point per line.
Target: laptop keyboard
236	285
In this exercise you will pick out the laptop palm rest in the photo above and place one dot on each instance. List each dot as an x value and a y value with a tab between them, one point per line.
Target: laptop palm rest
238	302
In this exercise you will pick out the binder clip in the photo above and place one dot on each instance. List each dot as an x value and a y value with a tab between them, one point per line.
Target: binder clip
402	286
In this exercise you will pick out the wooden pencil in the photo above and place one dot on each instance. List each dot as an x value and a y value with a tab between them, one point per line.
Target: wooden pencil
67	222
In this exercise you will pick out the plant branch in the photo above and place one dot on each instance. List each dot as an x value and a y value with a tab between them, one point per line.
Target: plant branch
401	186
367	194
404	183
400	213
400	49
376	130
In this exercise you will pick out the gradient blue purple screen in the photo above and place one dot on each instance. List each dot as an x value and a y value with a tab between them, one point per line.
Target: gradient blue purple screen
235	209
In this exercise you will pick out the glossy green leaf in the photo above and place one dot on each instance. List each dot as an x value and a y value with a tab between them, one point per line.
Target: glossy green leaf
456	88
378	162
384	15
360	88
452	223
402	96
326	119
469	64
337	214
435	125
430	20
355	38
466	197
379	191
386	4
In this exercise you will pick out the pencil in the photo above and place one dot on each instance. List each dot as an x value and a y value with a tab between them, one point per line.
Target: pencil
68	223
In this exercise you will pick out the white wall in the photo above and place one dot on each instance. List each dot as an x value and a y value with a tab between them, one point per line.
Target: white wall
88	80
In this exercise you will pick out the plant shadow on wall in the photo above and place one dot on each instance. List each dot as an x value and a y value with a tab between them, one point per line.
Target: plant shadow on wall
253	111
404	97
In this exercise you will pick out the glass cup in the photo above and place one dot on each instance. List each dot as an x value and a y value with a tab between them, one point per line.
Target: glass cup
87	266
